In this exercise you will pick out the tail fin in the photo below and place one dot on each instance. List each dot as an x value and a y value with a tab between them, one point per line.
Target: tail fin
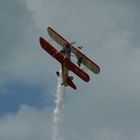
70	83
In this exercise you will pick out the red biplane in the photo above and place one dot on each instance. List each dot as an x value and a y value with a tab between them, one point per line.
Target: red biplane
63	56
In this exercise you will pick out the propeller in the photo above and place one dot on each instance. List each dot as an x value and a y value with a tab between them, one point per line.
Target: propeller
70	45
74	42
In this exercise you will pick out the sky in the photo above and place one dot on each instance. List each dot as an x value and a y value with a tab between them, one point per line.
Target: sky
106	108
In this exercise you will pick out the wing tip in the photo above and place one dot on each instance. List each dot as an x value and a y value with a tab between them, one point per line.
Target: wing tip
41	40
98	70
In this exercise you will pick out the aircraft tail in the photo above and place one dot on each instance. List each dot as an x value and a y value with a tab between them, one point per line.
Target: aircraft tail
70	83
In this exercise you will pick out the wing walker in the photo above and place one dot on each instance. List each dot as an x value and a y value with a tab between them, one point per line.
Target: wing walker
64	57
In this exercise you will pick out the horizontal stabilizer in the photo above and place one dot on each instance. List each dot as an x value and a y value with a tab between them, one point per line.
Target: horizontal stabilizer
70	83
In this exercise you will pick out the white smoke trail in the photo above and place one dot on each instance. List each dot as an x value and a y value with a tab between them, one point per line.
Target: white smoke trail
58	111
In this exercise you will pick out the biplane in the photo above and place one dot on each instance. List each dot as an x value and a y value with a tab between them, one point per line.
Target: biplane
64	57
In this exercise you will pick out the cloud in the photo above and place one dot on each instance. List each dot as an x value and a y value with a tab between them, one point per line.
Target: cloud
14	24
21	57
105	108
111	99
28	123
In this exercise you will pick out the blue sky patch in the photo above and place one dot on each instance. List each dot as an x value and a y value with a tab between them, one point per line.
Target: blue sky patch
16	94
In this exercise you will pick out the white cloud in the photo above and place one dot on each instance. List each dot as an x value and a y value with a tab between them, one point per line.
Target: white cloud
28	123
22	58
33	124
108	106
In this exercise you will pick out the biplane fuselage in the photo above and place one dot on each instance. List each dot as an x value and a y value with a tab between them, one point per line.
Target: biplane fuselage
65	71
63	56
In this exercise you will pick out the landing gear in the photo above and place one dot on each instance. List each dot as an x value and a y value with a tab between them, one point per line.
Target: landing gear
57	73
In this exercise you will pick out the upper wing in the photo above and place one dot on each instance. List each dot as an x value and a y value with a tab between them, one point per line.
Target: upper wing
85	60
55	36
51	50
